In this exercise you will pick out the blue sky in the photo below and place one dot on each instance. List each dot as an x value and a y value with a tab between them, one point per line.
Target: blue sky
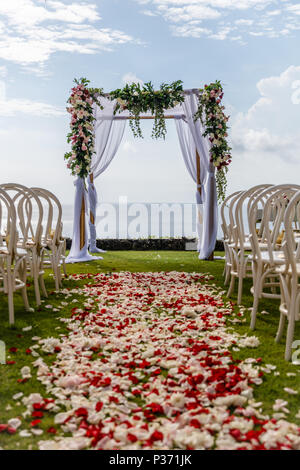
252	46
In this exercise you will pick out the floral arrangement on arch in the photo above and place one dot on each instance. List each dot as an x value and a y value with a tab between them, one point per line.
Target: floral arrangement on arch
139	99
211	113
81	135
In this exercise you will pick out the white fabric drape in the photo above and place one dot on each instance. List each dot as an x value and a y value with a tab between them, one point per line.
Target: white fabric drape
108	137
188	149
191	138
76	254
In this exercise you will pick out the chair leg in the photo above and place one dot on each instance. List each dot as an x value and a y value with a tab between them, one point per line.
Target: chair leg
10	294
227	275
64	267
290	335
231	285
56	277
280	328
58	269
36	284
240	289
256	296
23	275
25	300
55	269
43	287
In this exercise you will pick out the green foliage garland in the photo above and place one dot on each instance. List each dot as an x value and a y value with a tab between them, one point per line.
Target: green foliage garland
138	99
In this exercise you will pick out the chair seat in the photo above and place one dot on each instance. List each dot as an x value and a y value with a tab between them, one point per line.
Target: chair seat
246	246
278	257
20	251
282	269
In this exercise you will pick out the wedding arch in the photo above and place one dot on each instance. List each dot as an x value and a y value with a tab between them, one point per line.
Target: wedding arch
98	122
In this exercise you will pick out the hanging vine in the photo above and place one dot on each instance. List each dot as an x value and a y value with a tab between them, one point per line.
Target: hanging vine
138	99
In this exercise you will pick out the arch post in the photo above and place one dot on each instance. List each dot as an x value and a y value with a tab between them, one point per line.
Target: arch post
199	189
82	224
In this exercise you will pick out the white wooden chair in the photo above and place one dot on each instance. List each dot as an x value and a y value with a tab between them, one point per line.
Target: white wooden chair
12	259
267	252
29	224
226	226
289	275
52	240
240	246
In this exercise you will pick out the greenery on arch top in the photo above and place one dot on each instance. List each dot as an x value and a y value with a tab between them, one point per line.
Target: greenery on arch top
139	99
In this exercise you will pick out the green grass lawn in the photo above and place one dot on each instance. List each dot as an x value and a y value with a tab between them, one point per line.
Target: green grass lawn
46	323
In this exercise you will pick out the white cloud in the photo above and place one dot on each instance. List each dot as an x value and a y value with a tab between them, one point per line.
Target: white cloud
189	13
294	9
28	13
265	139
131	78
31	32
148	13
190	31
238	4
128	147
214	18
243	22
12	107
3	71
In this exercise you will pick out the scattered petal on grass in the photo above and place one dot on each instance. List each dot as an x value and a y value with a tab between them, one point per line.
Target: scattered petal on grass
18	395
291	391
14	423
147	364
25	433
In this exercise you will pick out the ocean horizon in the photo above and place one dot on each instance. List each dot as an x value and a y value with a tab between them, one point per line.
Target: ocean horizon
133	220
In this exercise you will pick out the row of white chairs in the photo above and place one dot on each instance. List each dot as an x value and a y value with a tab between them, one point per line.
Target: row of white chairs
30	241
261	228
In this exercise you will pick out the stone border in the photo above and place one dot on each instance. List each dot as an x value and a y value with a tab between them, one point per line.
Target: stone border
147	244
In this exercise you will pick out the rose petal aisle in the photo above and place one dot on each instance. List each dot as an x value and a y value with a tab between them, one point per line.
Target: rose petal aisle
147	364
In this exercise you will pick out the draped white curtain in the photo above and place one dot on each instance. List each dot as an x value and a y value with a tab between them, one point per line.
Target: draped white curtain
78	254
188	150
190	134
108	137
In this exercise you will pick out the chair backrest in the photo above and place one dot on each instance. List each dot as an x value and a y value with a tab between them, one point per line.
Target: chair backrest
231	213
29	211
53	214
8	233
273	203
291	244
241	211
225	208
